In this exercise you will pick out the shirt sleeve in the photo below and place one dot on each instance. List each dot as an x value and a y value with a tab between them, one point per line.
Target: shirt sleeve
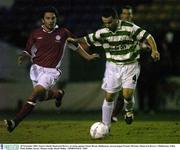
29	44
70	45
139	34
69	33
94	39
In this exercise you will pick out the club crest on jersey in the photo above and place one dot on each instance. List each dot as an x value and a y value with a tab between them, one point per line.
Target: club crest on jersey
58	37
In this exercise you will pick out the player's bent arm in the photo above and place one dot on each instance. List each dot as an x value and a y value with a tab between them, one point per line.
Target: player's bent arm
154	54
152	43
85	55
23	57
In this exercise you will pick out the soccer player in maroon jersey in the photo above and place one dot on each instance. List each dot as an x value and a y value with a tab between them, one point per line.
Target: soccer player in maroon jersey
45	47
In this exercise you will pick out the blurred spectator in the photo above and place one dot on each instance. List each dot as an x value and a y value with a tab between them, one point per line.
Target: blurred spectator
152	80
148	79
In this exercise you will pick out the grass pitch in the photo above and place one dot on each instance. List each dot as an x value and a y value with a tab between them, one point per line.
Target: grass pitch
61	128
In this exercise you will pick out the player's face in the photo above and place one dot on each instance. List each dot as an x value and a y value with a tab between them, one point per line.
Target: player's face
110	22
126	15
49	21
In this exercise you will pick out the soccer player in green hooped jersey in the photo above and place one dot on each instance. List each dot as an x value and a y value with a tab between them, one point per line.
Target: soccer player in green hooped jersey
119	40
126	14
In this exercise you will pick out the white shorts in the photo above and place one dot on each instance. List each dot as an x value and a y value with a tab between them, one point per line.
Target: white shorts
120	76
46	77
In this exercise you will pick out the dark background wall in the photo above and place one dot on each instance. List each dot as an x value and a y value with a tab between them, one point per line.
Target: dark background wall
158	17
158	82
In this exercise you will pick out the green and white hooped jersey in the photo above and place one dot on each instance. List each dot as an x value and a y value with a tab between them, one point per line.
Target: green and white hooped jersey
121	46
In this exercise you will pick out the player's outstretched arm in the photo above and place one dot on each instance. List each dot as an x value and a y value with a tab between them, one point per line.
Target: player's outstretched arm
23	57
82	48
76	41
85	55
154	54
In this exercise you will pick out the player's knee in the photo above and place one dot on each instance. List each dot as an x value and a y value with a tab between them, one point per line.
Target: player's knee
38	94
127	95
37	97
110	97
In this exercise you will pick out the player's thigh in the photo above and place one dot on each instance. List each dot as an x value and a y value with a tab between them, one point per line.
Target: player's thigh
111	82
48	80
129	79
35	71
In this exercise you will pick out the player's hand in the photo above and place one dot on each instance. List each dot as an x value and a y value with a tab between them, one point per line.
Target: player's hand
72	40
155	55
94	56
20	60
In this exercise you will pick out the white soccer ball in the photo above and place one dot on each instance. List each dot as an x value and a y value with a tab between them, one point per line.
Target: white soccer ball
99	130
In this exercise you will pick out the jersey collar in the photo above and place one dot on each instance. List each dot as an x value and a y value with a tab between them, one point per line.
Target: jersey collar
51	30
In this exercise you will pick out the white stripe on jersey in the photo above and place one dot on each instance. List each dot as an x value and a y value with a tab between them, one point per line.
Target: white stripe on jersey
59	63
33	51
140	34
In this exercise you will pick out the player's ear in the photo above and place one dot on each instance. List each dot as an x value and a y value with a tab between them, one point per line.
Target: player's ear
42	20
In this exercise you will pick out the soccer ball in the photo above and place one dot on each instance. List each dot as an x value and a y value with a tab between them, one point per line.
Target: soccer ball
98	130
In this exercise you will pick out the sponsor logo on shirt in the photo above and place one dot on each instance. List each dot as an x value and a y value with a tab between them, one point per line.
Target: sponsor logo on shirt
39	38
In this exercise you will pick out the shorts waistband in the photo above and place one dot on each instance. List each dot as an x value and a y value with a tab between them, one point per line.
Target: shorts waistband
58	69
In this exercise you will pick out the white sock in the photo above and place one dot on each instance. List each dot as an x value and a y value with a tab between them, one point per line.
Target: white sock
129	105
107	109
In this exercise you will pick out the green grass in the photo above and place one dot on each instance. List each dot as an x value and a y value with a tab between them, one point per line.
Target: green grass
74	128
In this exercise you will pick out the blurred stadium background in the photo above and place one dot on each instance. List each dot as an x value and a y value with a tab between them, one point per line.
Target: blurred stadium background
82	79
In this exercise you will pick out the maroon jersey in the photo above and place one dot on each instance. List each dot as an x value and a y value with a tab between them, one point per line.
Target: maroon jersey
47	48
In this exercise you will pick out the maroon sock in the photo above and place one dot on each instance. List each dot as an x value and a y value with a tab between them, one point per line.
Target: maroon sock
53	94
25	111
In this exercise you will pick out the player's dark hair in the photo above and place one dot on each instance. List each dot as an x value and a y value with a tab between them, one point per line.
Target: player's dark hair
49	9
107	12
